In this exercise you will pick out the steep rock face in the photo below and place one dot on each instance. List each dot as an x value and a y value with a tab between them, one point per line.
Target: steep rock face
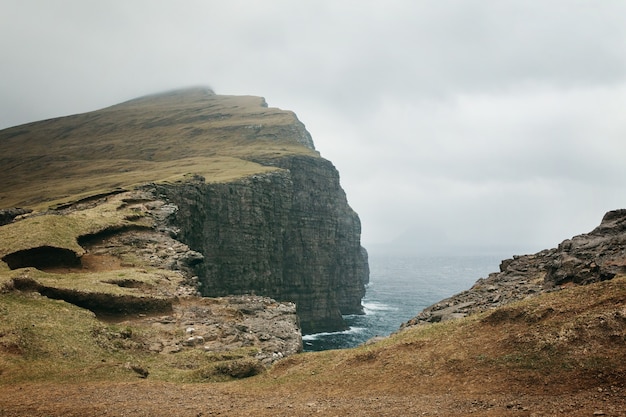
584	259
596	256
287	234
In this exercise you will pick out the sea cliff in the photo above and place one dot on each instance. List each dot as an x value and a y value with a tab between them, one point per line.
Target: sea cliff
246	187
114	221
288	234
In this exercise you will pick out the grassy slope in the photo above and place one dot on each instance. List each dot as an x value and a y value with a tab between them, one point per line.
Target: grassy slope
156	138
63	231
564	340
557	354
574	335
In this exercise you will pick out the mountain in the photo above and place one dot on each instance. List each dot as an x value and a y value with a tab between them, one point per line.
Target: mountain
245	187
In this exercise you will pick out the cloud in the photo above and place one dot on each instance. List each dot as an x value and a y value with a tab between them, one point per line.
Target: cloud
517	168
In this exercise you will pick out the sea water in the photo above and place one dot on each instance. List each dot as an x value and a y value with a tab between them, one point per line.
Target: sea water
400	287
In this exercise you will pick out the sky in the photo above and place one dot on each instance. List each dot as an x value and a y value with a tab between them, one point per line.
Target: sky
457	126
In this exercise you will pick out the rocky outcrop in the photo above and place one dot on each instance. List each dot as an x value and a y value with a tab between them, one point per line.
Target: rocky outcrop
584	259
223	325
288	234
596	256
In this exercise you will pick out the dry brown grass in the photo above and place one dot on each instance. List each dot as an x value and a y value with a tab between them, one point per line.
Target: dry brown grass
565	340
557	354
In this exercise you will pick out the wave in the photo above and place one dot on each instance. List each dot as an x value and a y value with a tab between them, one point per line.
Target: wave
316	336
371	307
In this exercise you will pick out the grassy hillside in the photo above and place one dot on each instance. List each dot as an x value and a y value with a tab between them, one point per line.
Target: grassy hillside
156	138
556	354
60	300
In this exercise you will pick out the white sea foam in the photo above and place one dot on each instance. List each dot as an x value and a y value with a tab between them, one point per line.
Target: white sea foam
371	307
351	330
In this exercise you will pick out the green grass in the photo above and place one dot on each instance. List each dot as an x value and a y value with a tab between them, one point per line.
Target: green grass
45	339
63	231
104	282
53	341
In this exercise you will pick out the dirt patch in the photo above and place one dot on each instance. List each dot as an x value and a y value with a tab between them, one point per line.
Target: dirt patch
88	263
147	398
98	263
104	235
109	304
130	283
58	260
9	347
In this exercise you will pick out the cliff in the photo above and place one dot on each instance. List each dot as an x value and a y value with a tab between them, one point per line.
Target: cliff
558	350
287	234
246	189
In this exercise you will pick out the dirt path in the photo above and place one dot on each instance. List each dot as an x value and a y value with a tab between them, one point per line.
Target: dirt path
147	398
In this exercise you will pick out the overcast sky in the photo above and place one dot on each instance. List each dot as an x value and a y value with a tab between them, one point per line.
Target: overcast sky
456	125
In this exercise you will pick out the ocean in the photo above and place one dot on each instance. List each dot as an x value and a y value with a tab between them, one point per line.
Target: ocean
400	287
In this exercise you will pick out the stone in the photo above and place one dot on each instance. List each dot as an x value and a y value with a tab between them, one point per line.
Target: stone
156	347
140	370
271	327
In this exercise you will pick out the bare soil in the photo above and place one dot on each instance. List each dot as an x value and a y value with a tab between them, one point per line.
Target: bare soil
89	263
146	398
